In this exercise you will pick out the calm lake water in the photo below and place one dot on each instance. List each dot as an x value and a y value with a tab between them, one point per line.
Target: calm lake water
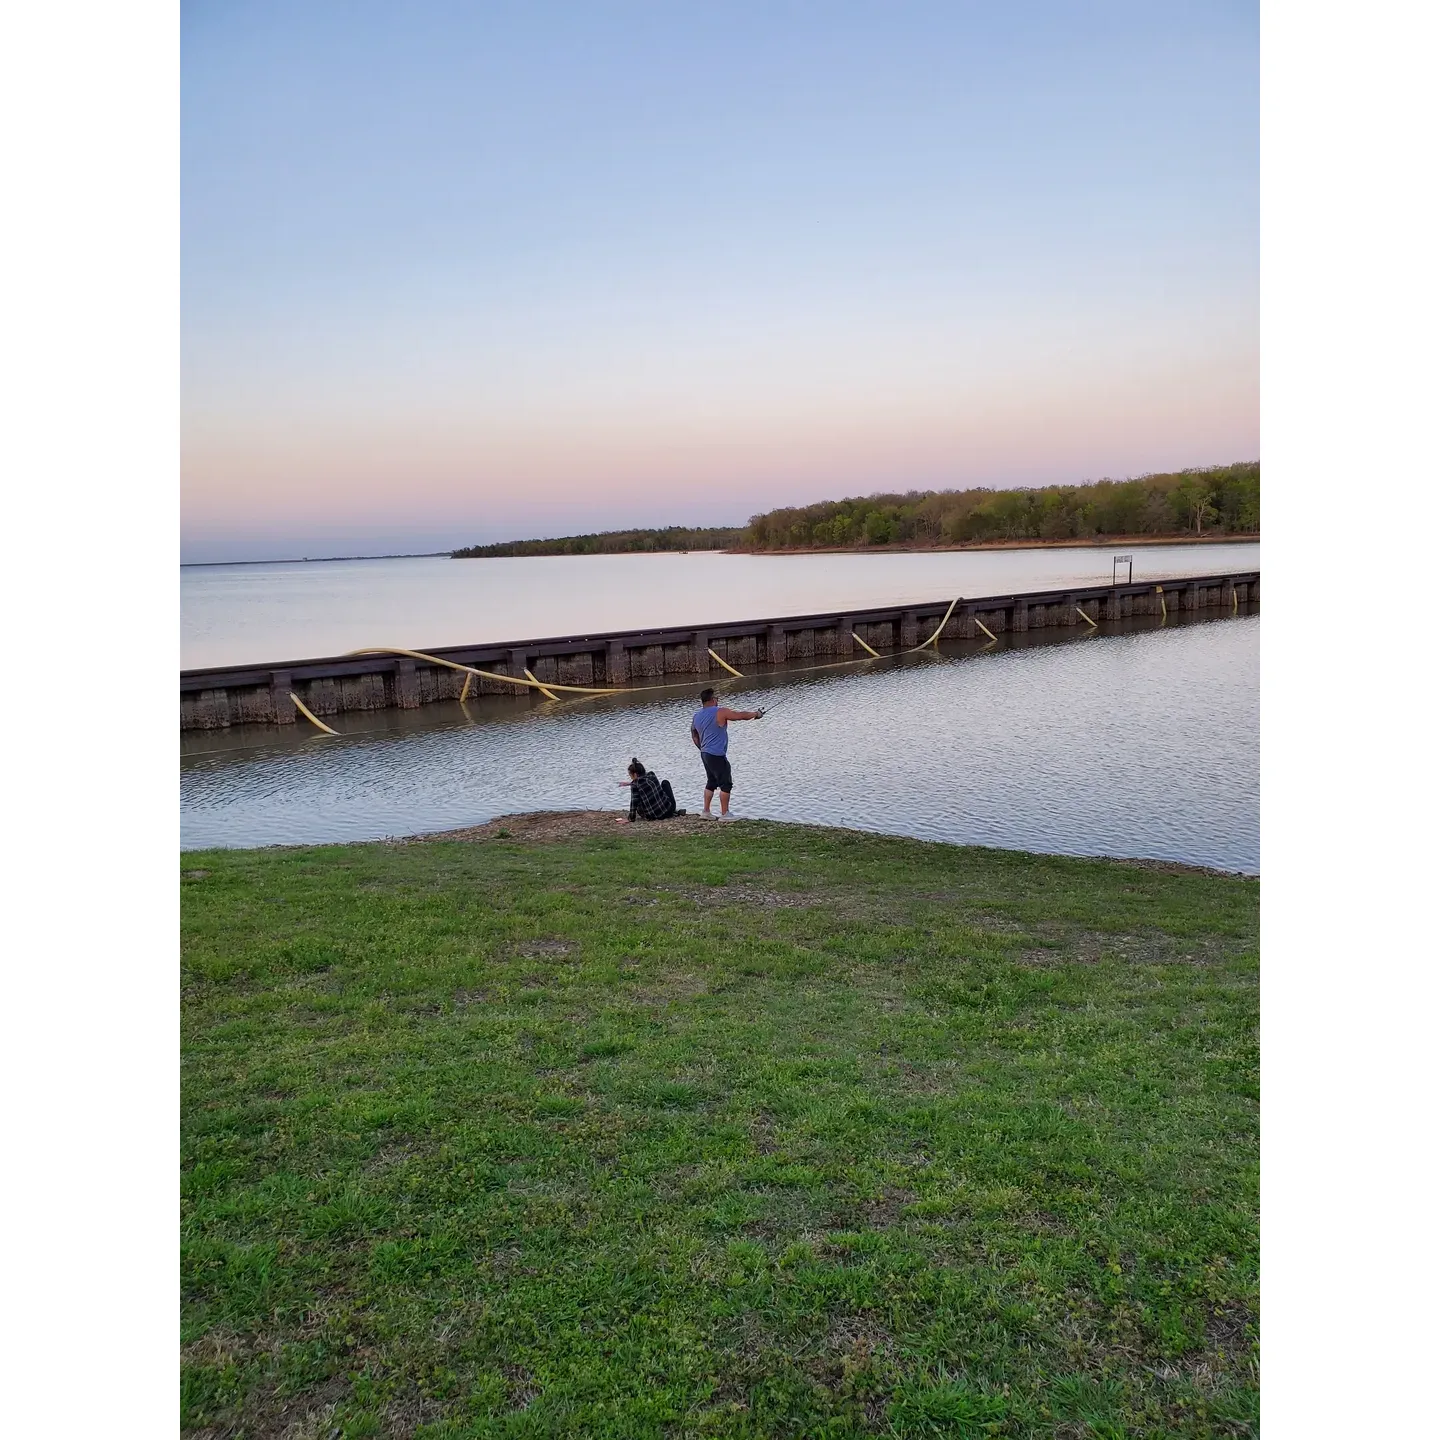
1138	743
249	614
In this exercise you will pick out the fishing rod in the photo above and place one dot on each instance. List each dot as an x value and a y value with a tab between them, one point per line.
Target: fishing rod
766	709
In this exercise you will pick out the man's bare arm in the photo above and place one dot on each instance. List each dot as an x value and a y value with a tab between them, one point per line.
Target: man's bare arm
724	716
694	736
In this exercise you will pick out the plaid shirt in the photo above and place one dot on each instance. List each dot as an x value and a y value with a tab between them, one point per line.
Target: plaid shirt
647	799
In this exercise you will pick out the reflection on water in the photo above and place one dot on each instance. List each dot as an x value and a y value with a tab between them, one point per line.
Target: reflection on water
1140	744
249	614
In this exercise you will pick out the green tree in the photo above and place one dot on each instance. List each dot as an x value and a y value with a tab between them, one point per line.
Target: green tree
1195	501
879	528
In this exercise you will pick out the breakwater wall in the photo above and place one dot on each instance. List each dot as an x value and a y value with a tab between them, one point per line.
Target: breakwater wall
221	696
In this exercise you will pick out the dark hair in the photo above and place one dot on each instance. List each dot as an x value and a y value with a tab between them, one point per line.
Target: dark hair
706	695
636	768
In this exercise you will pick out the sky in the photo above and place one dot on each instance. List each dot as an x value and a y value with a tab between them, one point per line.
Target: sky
461	272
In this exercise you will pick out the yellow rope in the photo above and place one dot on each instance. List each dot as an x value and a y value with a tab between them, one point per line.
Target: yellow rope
941	625
980	625
548	694
549	687
1164	613
1086	618
304	710
465	689
484	674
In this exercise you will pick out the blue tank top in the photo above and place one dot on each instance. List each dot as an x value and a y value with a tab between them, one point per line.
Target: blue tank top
714	739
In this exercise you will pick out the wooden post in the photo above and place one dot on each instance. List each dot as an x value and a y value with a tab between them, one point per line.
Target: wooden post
283	705
909	629
700	653
324	698
844	639
617	663
1112	605
407	686
1072	604
212	710
1020	616
776	645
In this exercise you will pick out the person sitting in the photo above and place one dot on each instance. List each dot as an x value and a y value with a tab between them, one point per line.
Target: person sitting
651	798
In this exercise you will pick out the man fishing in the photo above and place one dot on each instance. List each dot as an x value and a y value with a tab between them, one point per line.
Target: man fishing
708	729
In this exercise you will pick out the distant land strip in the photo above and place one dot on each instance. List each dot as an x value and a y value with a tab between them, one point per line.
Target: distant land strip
614	542
316	559
1213	503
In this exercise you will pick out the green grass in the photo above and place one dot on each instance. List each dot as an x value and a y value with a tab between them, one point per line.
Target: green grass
764	1131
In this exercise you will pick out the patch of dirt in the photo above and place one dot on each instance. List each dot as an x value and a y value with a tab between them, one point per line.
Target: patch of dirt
873	1212
269	1417
857	1337
1230	1328
886	1209
678	986
762	1133
221	1347
1088	947
315	1424
520	1389
1042	1222
398	1153
543	949
938	1077
406	1415
1228	1352
754	895
505	1261
538	827
1174	867
848	1348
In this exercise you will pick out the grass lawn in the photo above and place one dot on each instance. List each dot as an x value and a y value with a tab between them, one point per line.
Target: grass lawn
758	1131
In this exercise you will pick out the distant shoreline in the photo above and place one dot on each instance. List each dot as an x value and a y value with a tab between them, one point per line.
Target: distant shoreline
315	559
1100	542
1095	542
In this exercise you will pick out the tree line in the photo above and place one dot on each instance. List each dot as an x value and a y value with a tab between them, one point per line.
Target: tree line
1217	500
612	542
1220	499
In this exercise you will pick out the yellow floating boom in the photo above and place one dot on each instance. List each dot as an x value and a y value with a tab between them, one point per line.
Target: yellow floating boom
548	694
304	709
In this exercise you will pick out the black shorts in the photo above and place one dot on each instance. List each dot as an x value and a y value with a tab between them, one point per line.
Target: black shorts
717	772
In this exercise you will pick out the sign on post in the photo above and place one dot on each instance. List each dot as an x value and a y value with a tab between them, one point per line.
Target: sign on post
1128	561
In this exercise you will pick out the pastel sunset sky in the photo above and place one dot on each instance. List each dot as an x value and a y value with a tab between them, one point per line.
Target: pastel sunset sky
457	272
